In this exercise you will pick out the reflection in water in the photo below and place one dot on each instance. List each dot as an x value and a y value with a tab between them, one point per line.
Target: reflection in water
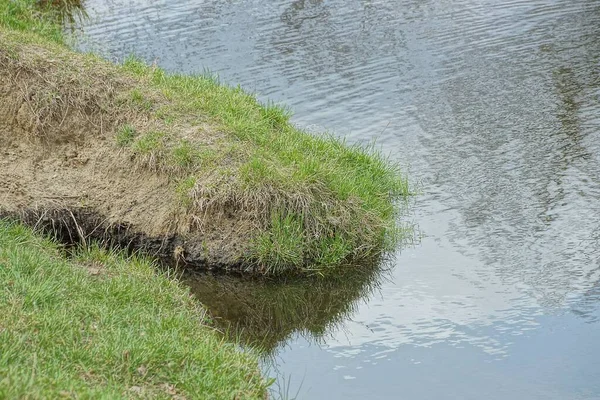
69	11
264	313
495	106
510	145
587	306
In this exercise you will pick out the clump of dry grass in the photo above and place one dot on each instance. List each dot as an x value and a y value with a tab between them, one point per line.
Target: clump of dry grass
308	202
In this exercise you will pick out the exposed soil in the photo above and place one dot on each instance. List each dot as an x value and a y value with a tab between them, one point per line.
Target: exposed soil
61	170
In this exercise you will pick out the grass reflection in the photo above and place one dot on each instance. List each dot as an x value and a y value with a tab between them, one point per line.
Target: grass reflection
264	313
66	11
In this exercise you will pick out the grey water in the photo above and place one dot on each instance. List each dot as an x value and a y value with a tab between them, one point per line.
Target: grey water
493	109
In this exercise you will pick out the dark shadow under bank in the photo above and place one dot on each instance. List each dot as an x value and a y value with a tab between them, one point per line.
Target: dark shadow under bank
81	226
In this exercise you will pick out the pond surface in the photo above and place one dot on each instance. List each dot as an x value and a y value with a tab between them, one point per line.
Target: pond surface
493	108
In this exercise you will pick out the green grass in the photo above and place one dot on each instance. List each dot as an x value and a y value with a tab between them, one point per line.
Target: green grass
125	135
183	189
281	245
185	155
103	325
245	158
24	15
138	99
148	143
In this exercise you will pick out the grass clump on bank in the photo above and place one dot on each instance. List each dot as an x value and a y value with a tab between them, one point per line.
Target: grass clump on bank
103	325
305	203
318	201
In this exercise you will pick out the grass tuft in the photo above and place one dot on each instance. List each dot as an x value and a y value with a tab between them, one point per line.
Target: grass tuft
185	155
277	116
138	100
184	190
282	245
149	142
125	135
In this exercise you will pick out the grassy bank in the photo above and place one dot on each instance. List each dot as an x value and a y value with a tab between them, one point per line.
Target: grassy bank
292	202
101	325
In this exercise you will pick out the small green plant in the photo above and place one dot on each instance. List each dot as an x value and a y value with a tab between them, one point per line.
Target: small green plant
150	149
183	189
185	155
256	172
125	135
135	65
276	116
282	245
333	250
165	115
139	100
150	142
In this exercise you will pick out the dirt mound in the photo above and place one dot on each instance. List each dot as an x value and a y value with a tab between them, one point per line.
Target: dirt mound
204	169
60	164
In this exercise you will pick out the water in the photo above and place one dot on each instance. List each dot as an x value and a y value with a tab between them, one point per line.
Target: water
493	107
